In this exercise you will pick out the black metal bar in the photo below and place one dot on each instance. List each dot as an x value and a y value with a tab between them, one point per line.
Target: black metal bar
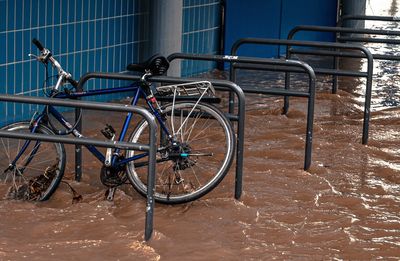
152	148
289	42
332	53
367	17
367	40
331	29
273	62
299	70
388	57
73	140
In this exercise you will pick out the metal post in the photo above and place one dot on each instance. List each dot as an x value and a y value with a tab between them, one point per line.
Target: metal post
78	148
287	85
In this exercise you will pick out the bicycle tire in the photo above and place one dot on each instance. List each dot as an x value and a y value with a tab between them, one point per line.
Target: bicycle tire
216	135
39	179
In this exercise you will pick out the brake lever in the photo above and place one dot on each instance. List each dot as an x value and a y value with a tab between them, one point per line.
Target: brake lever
41	58
34	56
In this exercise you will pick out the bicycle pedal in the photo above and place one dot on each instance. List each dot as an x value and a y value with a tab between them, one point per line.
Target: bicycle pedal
108	132
110	193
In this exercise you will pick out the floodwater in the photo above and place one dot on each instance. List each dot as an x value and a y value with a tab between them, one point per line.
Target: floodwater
346	207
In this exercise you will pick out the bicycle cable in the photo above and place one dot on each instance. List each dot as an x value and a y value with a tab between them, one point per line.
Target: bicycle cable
52	95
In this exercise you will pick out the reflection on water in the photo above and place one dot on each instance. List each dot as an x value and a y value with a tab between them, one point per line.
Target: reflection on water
386	73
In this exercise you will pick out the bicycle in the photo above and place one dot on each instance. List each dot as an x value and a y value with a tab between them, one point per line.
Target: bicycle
195	145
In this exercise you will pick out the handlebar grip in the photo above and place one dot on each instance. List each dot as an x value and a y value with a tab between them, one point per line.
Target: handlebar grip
38	44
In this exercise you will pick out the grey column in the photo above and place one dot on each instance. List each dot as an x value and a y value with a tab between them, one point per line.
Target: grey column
354	7
166	30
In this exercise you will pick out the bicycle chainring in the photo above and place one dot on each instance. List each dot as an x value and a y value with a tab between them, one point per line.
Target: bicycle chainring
111	177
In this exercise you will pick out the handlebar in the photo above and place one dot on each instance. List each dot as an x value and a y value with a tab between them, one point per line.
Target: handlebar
45	57
38	44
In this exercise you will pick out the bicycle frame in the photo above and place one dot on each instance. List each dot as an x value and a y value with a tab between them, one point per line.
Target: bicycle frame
115	162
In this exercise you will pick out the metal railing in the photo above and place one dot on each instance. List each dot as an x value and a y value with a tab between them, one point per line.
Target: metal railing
151	147
363	52
274	65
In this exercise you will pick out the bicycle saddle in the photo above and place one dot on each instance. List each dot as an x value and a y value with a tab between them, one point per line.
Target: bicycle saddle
157	64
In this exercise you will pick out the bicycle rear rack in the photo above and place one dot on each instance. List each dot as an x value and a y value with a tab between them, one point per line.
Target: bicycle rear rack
193	91
151	147
200	88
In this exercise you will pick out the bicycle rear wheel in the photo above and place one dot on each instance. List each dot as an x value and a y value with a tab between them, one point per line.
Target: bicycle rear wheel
38	171
196	163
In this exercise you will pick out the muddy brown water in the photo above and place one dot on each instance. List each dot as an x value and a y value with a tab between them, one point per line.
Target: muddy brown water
347	206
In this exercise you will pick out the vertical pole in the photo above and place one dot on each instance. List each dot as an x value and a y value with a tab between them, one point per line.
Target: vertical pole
78	148
287	84
151	172
335	77
166	30
310	123
367	105
280	27
232	78
221	64
240	144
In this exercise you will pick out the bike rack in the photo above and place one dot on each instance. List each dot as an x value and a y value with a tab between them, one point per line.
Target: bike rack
339	30
225	85
366	54
371	31
273	65
151	147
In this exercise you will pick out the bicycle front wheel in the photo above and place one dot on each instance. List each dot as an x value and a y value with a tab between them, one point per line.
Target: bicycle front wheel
39	167
195	163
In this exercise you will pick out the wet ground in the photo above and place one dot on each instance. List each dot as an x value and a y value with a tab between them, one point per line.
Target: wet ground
346	207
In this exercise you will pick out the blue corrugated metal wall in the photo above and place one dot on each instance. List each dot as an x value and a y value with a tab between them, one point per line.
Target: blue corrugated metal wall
88	35
274	19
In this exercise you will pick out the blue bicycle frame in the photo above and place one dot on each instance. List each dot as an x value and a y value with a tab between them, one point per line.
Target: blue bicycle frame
138	92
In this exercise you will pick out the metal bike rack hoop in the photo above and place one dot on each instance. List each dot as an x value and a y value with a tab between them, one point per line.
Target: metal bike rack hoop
289	43
224	84
272	65
151	147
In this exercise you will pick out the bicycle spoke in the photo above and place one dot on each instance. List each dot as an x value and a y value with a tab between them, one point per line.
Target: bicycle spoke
6	150
197	161
192	126
203	128
36	154
29	154
27	180
194	174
